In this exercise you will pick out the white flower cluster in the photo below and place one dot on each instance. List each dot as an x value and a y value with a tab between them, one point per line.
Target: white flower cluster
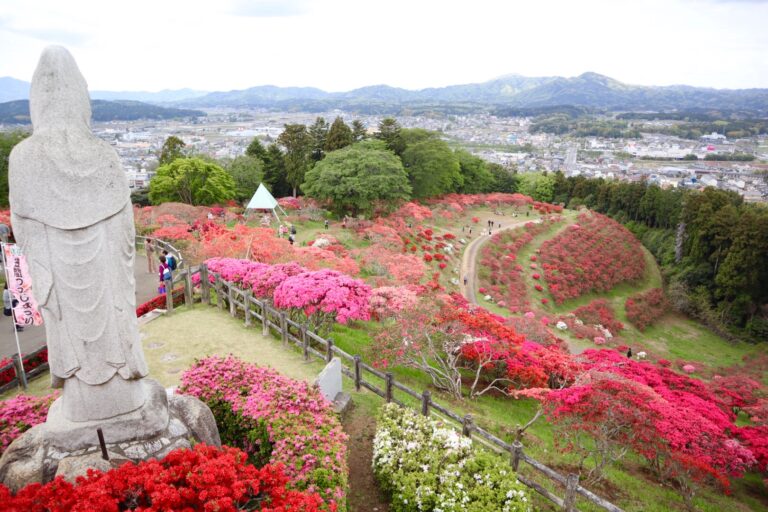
426	466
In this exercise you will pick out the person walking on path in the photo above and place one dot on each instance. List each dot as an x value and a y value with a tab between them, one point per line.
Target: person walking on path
170	259
166	278
149	248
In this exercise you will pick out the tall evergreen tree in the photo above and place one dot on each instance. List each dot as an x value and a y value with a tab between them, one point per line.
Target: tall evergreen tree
274	172
256	150
339	136
359	132
298	149
318	133
389	132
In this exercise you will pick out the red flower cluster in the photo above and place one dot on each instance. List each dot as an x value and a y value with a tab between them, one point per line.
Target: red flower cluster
159	302
501	274
592	256
599	312
29	362
643	309
205	478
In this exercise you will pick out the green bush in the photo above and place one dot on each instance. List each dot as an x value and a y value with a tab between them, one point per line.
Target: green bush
426	466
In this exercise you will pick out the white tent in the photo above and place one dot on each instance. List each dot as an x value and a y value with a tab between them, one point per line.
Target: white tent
263	200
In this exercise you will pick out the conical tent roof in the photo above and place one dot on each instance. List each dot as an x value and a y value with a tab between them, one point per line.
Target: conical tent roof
262	200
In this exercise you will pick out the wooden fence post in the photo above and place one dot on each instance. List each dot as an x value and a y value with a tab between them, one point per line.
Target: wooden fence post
205	285
517	452
18	367
569	500
219	292
388	378
466	425
329	348
357	373
284	327
426	398
231	299
168	295
187	287
247	302
305	342
264	319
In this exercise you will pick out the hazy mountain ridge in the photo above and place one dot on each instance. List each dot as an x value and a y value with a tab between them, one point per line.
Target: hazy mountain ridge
590	90
17	112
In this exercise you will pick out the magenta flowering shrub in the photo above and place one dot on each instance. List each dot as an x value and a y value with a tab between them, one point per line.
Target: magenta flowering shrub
307	436
259	277
324	296
387	301
20	413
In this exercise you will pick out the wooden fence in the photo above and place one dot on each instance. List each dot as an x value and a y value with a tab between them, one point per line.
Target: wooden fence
276	322
21	377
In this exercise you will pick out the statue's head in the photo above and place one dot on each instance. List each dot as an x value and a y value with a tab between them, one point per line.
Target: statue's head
58	96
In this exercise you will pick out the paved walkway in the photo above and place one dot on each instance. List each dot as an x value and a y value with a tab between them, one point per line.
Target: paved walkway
469	260
33	338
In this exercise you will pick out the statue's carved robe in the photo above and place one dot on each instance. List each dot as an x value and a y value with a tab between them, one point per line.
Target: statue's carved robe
75	224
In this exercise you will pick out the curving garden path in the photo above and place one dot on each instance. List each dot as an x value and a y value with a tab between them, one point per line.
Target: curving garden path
469	260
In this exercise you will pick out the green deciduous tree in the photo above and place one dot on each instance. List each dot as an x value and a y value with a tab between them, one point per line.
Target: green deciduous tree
192	181
173	148
7	142
504	180
339	136
248	172
298	148
538	185
476	176
433	169
356	178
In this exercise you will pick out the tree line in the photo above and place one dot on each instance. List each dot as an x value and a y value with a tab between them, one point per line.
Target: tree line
711	245
342	165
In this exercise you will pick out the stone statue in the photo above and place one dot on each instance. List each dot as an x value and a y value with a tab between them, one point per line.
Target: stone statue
72	215
71	212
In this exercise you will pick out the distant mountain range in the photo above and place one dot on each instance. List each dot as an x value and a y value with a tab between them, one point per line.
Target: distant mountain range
17	112
589	90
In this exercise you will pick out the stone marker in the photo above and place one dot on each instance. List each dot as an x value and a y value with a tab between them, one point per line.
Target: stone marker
330	385
72	216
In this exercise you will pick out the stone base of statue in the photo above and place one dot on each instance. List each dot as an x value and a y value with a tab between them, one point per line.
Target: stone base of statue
59	447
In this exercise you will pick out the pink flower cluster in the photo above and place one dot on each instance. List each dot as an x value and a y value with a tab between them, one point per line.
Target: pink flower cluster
20	413
307	436
325	291
387	301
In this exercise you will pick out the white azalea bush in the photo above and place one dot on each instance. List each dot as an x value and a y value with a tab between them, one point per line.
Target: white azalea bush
426	466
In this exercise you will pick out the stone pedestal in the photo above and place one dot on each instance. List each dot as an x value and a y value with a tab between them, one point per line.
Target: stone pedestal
62	448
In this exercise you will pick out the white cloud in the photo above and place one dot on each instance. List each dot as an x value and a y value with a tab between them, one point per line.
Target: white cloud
342	44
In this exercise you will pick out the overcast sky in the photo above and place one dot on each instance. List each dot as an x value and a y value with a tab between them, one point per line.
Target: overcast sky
338	45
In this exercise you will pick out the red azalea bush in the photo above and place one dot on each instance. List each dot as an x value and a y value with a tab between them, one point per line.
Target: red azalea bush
592	256
499	271
28	361
643	309
204	478
159	302
306	435
289	203
599	312
20	413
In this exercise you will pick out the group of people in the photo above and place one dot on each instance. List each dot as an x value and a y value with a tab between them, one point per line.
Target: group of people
166	267
291	232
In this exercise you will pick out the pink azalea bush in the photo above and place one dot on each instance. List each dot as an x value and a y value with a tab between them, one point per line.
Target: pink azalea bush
689	368
20	413
324	296
387	301
307	436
